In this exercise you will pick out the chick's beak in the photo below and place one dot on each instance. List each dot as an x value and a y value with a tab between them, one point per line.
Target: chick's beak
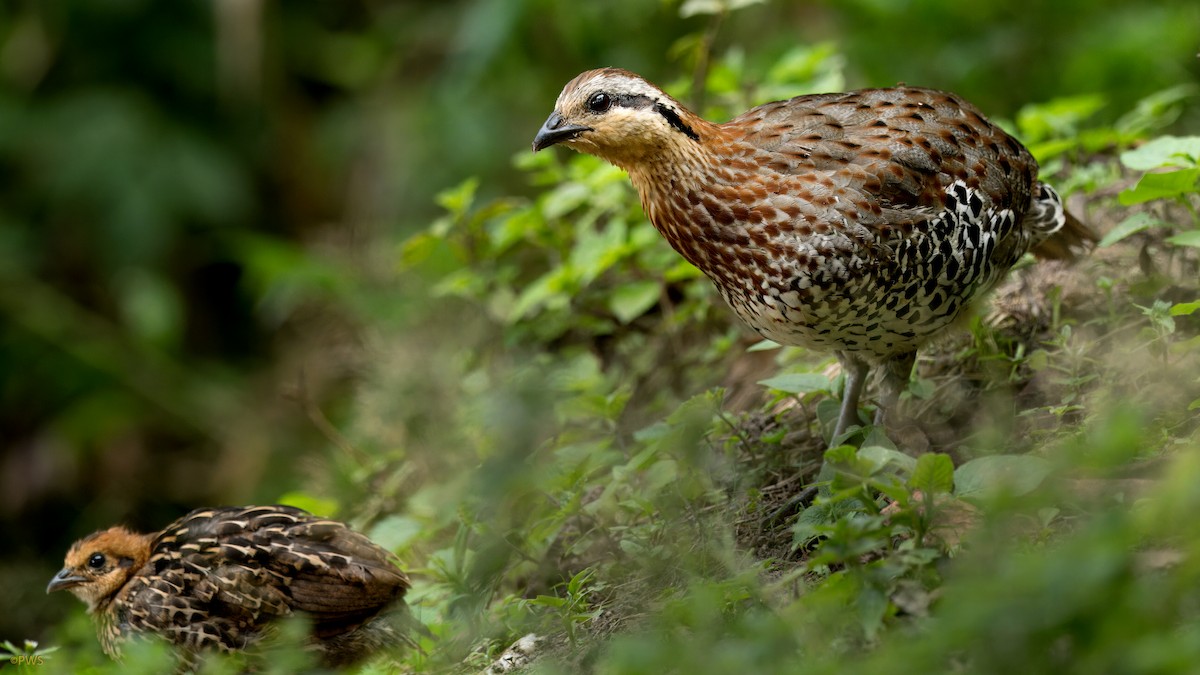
63	580
556	130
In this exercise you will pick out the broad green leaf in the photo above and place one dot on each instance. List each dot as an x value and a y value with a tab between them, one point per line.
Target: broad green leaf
1038	360
848	468
681	270
150	306
457	200
660	474
326	508
1135	223
514	227
1045	150
1189	238
1181	151
934	474
551	289
396	532
689	423
842	455
797	383
872	605
1161	186
629	301
566	198
987	477
921	388
1185	308
549	601
1156	110
881	457
814	67
596	250
1043	121
877	436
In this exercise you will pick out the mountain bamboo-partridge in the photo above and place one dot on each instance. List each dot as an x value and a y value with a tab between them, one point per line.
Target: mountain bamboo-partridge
215	579
862	222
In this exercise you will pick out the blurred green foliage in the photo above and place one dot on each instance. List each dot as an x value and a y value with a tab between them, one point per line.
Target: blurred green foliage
299	252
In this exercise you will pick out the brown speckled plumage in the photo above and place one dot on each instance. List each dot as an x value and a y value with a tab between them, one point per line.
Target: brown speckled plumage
216	579
861	222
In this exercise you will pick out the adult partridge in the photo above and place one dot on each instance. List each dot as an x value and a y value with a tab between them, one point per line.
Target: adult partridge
215	579
862	222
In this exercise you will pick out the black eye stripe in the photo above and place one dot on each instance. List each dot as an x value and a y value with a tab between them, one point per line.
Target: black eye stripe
634	101
674	120
601	102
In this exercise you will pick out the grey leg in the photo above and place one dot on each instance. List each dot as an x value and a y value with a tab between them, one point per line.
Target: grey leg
895	378
856	375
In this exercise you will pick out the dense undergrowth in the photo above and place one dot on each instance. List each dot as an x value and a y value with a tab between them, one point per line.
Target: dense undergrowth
1034	521
576	440
1031	520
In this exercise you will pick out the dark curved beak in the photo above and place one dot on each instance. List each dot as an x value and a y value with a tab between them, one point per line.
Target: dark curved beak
555	131
64	580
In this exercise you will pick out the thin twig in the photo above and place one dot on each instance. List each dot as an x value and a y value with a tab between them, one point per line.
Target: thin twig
322	423
703	59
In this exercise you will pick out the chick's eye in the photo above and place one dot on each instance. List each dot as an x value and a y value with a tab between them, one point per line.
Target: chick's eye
96	561
599	102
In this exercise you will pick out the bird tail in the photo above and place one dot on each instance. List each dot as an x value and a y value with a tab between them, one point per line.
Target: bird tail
1063	236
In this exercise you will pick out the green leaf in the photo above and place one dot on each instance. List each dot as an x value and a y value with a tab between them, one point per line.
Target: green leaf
315	505
396	532
564	199
934	474
1180	151
1156	110
457	200
1189	238
921	388
630	301
548	601
881	457
1046	150
553	289
797	383
1038	360
1185	308
872	605
1135	223
150	306
1161	186
842	455
660	474
988	477
597	249
1057	118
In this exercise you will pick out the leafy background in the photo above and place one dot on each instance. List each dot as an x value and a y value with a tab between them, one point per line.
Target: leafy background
261	252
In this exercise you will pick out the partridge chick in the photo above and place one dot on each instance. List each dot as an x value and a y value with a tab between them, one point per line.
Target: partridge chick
863	222
215	579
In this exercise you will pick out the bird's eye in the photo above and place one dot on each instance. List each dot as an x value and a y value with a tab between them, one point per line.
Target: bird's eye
599	102
96	561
